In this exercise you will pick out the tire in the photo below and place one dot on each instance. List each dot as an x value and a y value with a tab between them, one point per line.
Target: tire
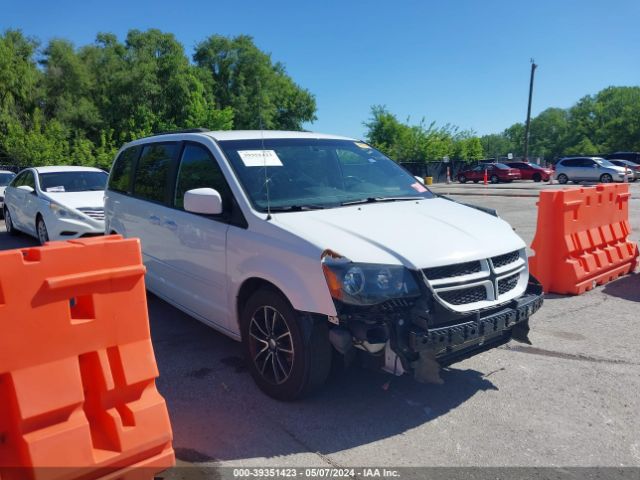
288	354
495	179
462	179
606	178
41	230
11	229
537	177
476	181
562	179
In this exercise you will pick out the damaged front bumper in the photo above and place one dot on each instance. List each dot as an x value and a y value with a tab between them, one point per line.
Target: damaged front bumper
420	336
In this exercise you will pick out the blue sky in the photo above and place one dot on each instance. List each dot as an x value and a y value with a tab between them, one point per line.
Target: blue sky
461	62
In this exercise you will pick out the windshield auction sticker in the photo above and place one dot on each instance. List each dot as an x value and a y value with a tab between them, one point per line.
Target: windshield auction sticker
418	187
259	158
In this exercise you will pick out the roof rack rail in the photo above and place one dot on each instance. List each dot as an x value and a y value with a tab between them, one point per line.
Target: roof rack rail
186	130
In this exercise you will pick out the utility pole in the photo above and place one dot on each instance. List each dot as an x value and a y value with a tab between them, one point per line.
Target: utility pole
526	130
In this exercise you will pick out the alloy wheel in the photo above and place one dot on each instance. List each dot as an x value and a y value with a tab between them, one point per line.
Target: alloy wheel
271	345
7	221
43	235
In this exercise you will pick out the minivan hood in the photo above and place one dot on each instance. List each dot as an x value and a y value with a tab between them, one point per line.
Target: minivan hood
75	200
417	234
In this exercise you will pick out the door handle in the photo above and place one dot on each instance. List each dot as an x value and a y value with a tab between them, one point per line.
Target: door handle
154	219
171	225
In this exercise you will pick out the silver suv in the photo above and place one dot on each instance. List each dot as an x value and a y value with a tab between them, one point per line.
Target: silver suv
589	169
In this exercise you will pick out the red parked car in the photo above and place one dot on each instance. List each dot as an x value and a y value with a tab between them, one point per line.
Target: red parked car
531	171
496	172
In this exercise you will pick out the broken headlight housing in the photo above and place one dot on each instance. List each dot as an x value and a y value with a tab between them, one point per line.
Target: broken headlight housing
368	283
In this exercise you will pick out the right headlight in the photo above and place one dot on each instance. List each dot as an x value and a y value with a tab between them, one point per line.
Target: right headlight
368	283
62	212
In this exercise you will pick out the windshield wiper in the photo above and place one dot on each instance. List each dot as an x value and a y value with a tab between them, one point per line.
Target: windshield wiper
295	208
379	200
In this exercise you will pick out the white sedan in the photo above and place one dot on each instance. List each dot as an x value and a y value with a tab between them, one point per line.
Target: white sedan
56	203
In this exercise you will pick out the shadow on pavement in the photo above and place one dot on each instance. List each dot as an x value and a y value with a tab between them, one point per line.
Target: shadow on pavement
627	288
218	413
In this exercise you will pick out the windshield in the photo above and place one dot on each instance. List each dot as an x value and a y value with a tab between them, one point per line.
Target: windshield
604	163
79	181
5	179
317	173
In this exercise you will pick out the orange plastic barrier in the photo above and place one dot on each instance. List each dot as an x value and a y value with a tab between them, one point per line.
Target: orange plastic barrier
582	238
77	369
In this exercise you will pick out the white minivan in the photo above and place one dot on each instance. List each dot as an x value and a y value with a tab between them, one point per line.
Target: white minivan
315	248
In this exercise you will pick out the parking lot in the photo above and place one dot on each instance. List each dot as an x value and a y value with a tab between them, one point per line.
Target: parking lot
570	399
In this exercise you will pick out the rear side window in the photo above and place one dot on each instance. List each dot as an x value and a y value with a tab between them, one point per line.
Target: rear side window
198	169
122	170
569	163
153	169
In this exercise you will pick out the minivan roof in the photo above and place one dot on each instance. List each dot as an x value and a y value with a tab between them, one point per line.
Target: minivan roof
222	135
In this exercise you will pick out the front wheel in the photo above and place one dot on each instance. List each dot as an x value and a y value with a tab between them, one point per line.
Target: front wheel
288	354
8	222
562	179
606	178
537	177
41	229
494	179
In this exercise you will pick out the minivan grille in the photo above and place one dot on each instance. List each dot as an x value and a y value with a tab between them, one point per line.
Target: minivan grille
95	213
455	270
464	295
491	280
506	259
507	284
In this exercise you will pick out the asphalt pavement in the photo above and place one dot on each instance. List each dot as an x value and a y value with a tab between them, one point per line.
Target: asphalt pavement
570	399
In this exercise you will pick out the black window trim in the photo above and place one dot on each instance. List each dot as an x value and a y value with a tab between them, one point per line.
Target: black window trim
235	217
170	174
133	172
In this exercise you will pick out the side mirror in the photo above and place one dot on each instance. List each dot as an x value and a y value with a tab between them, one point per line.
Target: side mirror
203	200
27	188
420	179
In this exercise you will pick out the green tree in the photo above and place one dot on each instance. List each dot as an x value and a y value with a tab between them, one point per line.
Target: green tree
244	79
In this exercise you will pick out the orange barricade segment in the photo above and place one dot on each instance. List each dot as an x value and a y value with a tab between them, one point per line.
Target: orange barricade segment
582	238
77	368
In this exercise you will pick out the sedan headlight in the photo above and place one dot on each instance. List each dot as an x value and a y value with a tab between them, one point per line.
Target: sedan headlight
367	283
62	212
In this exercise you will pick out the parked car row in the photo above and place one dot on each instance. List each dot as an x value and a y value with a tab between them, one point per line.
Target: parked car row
308	248
505	172
569	169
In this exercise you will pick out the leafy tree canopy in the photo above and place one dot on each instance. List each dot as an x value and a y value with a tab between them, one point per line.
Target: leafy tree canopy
66	105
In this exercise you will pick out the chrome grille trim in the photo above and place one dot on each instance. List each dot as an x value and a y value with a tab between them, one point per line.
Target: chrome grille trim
502	277
95	213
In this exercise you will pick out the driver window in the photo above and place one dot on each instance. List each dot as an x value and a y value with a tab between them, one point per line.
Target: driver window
198	169
29	180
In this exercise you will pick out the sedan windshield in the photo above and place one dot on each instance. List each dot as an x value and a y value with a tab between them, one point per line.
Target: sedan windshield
78	181
5	179
299	174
